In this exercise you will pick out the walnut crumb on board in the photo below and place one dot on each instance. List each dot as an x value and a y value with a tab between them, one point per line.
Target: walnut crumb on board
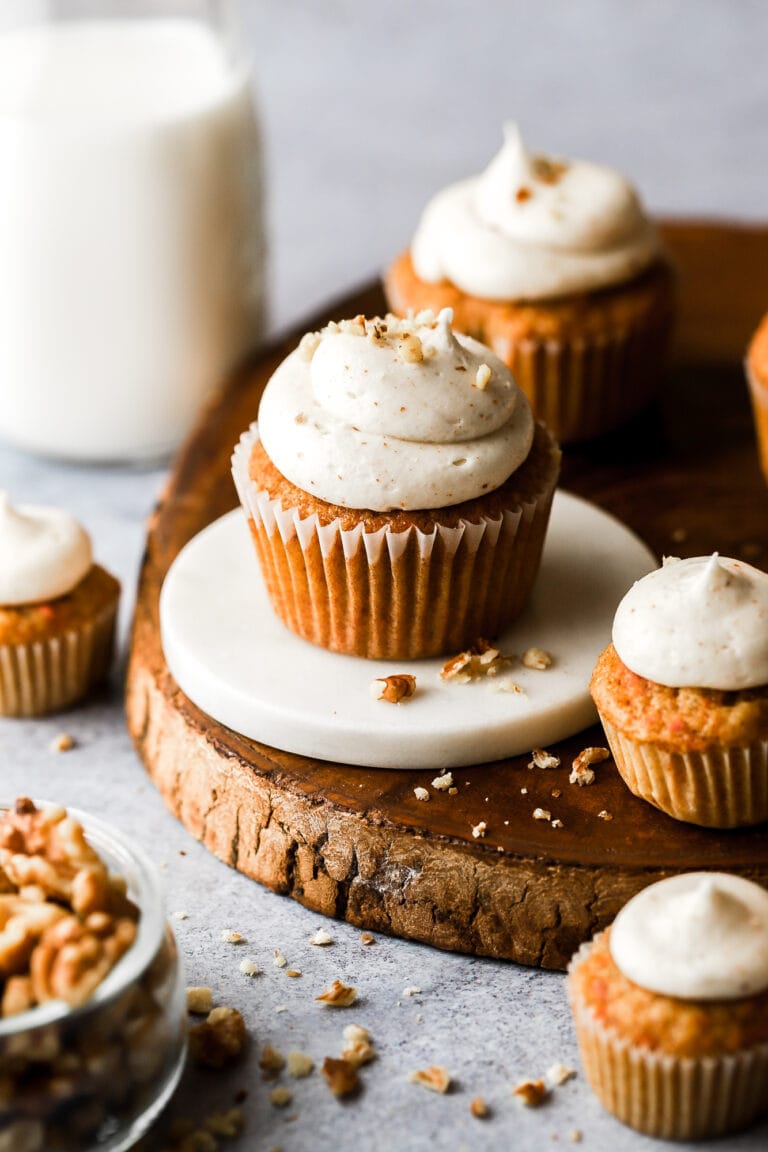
394	689
532	1093
340	1076
436	1078
540	758
338	995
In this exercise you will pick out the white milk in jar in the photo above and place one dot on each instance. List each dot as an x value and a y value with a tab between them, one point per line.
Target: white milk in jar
131	258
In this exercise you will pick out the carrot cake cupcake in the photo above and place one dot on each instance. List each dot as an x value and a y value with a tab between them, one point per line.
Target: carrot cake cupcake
757	378
682	692
57	611
554	264
671	1007
397	489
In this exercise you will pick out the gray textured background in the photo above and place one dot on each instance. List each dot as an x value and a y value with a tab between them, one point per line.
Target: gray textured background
367	109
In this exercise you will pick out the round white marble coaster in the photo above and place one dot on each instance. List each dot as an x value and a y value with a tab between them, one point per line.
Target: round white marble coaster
234	659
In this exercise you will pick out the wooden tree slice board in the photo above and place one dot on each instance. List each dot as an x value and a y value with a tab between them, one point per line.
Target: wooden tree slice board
355	843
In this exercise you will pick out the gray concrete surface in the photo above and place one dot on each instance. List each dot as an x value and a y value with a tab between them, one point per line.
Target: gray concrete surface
368	108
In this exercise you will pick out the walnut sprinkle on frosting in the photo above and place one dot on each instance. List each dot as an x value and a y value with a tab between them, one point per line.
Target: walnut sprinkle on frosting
482	378
338	995
394	689
581	771
436	1078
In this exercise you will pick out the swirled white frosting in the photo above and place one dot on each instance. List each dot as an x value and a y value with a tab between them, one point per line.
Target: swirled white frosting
698	936
697	623
387	414
532	228
44	553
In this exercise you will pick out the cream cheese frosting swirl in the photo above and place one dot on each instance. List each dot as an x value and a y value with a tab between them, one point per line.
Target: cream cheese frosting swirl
389	414
534	228
697	623
44	553
698	936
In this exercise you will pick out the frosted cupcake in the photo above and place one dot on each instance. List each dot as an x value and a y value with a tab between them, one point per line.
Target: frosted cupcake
757	378
671	1007
682	692
554	264
397	489
57	611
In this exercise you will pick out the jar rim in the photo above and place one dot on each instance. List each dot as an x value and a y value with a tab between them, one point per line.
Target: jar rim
144	888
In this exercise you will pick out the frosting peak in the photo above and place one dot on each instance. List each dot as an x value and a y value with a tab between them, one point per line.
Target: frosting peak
534	227
44	553
697	623
390	413
699	936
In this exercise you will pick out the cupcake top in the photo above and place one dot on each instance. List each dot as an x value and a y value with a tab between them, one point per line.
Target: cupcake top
44	553
388	414
698	936
697	623
531	227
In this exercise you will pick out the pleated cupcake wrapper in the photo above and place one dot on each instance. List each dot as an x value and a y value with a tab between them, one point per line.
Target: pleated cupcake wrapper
670	1097
388	594
48	675
759	395
719	788
582	388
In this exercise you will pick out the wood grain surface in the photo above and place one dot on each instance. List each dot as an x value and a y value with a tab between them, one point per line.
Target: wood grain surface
355	843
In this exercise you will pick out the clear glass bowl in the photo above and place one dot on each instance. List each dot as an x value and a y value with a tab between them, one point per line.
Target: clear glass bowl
96	1076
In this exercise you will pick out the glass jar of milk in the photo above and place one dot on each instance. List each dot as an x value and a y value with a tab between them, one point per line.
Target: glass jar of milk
131	228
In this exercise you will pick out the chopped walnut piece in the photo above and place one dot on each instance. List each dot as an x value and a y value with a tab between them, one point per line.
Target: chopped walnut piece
394	689
280	1097
604	815
559	1074
219	1040
436	1078
479	830
411	991
532	1093
355	1032
249	967
411	348
321	938
359	1052
537	658
542	814
230	937
62	743
338	995
341	1076
367	938
509	684
557	824
540	758
479	1108
575	1135
480	661
482	378
300	1065
199	1000
271	1063
308	345
294	973
225	1124
421	793
581	772
443	783
279	960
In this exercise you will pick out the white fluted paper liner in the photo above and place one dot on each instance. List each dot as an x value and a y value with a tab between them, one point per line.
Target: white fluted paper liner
392	594
670	1097
718	788
47	675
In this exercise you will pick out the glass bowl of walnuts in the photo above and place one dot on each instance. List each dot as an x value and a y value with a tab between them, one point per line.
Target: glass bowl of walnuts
92	1002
